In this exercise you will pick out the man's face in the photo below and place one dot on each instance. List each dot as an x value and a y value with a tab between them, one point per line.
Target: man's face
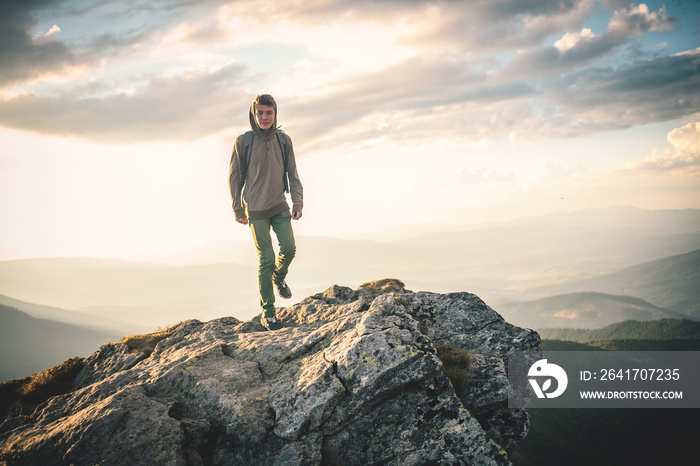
264	116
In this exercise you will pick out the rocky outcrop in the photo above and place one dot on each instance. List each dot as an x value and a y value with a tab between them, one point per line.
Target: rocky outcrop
355	378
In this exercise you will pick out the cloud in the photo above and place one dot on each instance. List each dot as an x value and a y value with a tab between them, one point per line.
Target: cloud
637	20
570	41
660	89
435	98
574	50
422	97
25	57
27	54
43	38
683	157
182	107
482	26
360	71
419	98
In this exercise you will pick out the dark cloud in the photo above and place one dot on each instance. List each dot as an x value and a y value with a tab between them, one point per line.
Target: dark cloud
20	56
664	88
24	58
184	107
491	9
431	99
624	24
500	9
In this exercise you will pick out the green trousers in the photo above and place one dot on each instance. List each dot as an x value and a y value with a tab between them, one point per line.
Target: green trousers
271	267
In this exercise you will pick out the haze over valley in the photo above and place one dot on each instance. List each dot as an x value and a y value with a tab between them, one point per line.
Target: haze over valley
585	269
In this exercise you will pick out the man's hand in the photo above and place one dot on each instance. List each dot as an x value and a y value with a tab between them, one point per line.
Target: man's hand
242	221
296	215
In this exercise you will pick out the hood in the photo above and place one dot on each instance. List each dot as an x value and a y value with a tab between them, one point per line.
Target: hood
254	124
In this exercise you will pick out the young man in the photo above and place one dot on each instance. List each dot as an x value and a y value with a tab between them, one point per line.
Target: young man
262	168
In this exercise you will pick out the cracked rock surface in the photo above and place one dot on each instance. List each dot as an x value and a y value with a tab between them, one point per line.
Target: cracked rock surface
353	379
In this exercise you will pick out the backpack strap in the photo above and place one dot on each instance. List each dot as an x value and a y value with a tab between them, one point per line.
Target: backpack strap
245	157
282	140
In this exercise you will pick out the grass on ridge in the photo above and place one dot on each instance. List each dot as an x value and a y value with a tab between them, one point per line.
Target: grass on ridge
146	343
33	390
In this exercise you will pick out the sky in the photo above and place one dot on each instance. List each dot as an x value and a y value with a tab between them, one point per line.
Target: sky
117	117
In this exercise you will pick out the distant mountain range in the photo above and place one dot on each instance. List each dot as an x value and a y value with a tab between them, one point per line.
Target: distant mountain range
581	310
672	283
131	295
29	345
663	329
583	269
99	324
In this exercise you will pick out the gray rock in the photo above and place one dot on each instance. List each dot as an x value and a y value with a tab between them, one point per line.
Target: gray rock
108	360
353	379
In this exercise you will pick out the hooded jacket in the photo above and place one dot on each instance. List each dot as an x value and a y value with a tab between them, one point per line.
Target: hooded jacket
261	194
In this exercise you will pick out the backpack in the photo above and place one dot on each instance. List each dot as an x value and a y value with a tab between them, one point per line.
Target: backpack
247	147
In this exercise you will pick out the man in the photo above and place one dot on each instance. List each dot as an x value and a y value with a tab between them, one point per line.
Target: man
262	168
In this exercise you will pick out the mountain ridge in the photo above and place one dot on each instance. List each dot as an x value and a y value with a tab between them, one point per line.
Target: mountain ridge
74	317
663	329
670	282
348	362
29	345
585	309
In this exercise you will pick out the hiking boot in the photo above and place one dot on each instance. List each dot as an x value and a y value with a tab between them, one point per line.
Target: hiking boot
271	323
282	289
